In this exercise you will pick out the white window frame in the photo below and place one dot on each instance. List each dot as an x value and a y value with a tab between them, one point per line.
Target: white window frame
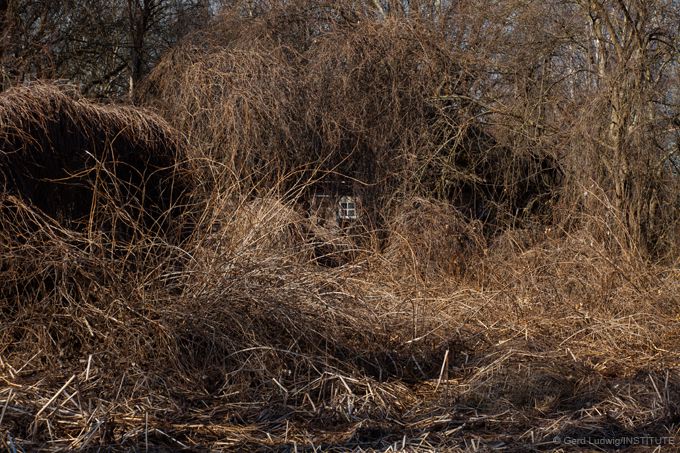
347	208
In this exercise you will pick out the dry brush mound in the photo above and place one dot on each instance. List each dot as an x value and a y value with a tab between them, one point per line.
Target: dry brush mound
88	166
307	92
432	239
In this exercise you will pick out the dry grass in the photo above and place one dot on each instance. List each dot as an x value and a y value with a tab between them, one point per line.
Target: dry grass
92	167
437	332
252	344
308	91
431	238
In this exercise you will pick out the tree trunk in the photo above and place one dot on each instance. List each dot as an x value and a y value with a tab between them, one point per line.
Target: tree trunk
139	12
4	26
5	39
621	63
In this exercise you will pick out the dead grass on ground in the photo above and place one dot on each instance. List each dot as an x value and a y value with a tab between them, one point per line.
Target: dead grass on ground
252	346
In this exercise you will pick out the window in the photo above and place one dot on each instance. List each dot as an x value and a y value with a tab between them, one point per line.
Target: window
347	208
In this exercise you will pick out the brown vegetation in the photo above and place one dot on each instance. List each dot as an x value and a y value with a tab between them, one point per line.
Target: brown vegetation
279	104
501	293
90	167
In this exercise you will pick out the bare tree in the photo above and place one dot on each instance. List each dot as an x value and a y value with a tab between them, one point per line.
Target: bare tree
106	46
633	50
591	81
